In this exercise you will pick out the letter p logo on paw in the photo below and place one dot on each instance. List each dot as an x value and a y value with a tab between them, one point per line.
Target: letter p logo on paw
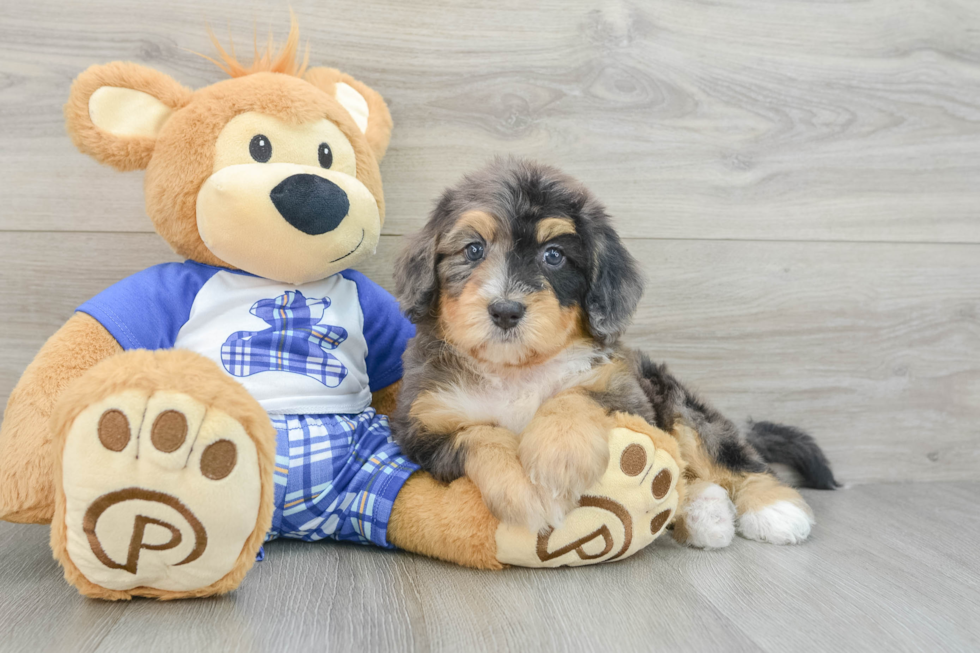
129	506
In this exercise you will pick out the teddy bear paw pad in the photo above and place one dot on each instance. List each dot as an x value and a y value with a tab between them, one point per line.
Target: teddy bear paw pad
160	492
626	510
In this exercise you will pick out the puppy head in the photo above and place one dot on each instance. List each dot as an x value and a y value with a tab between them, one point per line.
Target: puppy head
516	262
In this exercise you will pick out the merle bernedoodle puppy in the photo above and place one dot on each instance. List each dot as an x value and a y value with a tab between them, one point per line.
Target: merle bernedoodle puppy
521	289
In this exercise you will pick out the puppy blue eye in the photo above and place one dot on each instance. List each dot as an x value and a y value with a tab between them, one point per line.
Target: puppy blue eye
260	148
326	155
474	251
554	256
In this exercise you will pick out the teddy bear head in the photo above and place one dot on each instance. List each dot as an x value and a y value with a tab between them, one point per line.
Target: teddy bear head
273	171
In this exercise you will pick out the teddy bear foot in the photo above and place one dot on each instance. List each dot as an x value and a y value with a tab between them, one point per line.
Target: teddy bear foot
160	495
629	508
159	492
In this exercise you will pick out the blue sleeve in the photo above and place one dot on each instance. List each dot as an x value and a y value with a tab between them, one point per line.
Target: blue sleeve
146	310
386	330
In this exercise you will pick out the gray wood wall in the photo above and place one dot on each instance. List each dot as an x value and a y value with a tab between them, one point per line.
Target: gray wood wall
801	180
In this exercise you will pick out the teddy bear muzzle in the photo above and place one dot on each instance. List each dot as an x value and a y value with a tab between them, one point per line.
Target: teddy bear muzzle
287	222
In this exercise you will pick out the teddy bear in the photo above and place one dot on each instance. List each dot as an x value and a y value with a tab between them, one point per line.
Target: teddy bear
193	411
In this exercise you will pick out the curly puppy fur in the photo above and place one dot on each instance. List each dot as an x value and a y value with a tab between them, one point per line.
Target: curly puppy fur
521	289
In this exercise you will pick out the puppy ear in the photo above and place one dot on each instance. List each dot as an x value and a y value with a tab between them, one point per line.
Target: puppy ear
615	288
115	112
416	283
364	104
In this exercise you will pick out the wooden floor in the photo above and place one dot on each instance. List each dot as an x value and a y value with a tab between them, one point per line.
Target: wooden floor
801	181
889	568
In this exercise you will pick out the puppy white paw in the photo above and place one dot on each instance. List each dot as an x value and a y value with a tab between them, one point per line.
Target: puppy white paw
783	522
710	518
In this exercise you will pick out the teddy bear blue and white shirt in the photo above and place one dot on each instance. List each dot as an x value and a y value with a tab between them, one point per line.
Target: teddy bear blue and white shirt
319	347
311	354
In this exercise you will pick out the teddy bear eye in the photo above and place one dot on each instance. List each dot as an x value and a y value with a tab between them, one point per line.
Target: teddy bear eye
326	155
260	148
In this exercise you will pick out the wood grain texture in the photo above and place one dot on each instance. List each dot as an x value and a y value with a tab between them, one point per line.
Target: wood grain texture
766	165
875	349
889	567
739	119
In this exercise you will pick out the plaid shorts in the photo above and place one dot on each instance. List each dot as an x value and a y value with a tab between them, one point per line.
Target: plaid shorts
336	476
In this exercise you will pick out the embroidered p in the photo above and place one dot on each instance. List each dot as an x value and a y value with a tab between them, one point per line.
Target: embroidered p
295	341
133	495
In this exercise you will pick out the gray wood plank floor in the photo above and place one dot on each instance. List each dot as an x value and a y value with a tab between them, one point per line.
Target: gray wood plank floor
890	567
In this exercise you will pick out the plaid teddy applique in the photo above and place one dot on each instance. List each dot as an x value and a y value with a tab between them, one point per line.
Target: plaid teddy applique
294	342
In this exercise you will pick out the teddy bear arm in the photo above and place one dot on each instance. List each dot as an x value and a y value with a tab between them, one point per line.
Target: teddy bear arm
448	521
384	400
26	449
631	505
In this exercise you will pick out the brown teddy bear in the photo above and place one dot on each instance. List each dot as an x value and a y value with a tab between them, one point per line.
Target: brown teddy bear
190	412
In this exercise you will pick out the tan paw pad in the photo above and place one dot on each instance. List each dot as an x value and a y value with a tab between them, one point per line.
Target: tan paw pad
160	492
631	505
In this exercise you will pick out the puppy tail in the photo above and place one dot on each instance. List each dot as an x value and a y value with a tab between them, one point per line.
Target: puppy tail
788	445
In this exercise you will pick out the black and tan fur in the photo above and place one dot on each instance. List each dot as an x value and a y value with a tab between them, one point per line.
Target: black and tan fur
524	411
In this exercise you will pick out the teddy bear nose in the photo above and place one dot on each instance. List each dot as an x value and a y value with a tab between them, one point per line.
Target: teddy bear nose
310	203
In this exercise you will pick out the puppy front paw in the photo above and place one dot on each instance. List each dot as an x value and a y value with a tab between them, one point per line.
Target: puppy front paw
515	500
563	460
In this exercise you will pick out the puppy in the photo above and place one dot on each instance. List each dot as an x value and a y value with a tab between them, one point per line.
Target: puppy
520	290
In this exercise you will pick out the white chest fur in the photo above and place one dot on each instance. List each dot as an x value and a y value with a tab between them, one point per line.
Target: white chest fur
512	398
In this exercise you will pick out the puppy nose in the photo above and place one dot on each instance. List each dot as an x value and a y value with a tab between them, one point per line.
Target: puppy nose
310	203
506	315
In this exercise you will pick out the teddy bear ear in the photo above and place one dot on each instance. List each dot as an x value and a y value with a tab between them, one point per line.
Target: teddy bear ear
115	112
364	104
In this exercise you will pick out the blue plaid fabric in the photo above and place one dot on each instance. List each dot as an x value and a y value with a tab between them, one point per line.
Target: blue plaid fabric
336	476
294	342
